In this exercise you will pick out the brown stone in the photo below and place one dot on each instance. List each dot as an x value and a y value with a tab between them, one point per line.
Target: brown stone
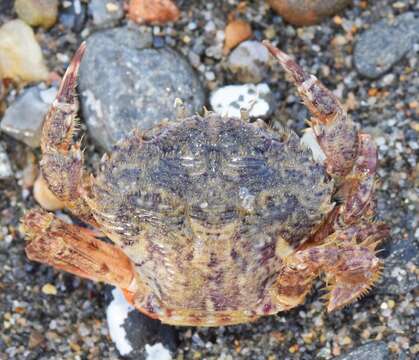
307	12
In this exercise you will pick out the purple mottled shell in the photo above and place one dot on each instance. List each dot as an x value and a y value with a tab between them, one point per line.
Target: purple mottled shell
207	208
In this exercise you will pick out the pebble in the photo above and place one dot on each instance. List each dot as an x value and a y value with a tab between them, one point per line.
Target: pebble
49	289
44	196
384	44
307	12
235	32
37	12
249	62
126	85
151	11
20	54
24	117
228	100
6	171
106	13
73	15
135	334
376	350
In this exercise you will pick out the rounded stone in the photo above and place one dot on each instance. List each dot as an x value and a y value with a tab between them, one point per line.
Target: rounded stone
126	84
307	12
37	12
249	62
385	43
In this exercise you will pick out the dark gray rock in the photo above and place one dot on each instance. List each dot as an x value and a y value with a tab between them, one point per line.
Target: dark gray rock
106	13
124	84
23	119
375	350
135	335
249	62
399	276
385	43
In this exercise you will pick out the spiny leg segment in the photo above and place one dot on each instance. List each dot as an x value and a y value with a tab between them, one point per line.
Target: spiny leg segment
348	259
349	237
62	160
351	157
76	250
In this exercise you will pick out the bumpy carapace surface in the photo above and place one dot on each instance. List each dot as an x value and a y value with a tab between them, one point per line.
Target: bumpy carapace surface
215	220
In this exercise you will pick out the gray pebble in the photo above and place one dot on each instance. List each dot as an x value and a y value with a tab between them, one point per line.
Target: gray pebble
124	84
6	171
385	43
106	13
23	119
376	350
249	62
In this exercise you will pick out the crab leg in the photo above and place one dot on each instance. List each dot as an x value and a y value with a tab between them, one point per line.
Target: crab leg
62	160
76	250
351	157
348	259
335	132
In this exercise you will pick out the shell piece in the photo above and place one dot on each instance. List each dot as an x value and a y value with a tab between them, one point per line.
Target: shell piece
206	208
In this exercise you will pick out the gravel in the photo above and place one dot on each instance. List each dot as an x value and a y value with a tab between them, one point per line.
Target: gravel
72	323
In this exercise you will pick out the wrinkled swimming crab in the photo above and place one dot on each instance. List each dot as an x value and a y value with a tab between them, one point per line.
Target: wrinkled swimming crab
215	220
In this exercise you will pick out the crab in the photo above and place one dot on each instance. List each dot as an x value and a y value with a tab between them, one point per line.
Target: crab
215	220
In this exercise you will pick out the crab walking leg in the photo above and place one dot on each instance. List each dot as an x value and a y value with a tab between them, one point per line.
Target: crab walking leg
350	156
358	186
62	160
76	250
336	133
351	269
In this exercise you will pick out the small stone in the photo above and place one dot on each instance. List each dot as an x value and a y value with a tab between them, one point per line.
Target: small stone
388	79
20	54
35	339
236	32
23	119
6	171
37	12
384	44
49	289
152	11
124	84
249	62
228	100
106	13
73	15
307	12
376	350
44	196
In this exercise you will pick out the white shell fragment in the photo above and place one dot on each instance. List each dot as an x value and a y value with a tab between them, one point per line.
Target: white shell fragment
157	352
228	100
116	314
